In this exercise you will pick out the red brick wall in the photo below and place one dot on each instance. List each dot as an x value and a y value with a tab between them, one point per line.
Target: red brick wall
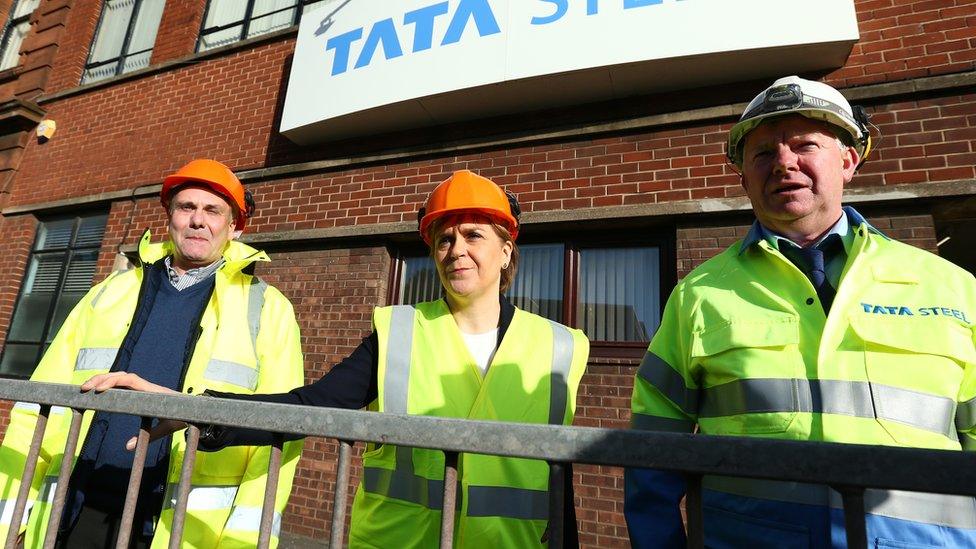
902	39
333	292
178	30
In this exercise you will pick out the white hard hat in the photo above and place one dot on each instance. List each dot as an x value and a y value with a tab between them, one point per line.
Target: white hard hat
816	100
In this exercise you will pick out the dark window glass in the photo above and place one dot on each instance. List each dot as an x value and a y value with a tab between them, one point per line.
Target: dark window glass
60	272
614	296
229	21
15	31
124	39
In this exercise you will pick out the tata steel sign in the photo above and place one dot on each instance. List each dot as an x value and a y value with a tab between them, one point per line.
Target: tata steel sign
373	66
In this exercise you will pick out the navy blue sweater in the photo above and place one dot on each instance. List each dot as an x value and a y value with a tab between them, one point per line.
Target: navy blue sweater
158	347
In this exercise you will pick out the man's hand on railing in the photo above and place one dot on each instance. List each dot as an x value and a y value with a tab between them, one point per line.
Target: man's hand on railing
126	380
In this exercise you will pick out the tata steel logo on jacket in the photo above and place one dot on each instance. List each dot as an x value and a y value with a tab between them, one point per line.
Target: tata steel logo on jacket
386	33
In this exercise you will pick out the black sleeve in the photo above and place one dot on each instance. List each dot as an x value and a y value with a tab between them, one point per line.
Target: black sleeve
351	384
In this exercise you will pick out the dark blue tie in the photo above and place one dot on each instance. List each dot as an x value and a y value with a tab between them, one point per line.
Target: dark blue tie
811	262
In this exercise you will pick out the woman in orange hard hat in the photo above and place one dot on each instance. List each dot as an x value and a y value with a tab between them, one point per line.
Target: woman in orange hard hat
496	362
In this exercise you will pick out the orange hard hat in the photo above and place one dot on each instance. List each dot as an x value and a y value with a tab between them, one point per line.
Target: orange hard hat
467	192
220	179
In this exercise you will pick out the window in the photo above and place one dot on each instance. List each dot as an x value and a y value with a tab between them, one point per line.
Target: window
611	292
60	272
124	39
229	21
16	30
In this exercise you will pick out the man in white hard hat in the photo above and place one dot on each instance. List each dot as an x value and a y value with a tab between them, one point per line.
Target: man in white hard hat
815	327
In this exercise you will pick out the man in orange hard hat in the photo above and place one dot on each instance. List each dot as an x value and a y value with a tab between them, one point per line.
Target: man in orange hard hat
190	316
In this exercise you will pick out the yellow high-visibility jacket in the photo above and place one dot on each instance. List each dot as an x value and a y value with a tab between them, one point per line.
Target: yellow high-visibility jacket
745	349
249	342
425	369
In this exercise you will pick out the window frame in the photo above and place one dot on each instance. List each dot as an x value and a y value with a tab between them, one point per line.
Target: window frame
124	53
11	24
245	23
661	237
69	252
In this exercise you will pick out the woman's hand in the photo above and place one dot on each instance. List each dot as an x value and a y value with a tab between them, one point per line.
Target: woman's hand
125	380
122	380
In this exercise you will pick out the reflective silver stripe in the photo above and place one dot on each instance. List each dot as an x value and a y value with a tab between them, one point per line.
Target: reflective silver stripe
401	483
248	519
654	370
231	372
95	358
101	291
657	423
562	362
825	396
966	415
951	511
398	350
35	408
255	302
502	501
202	498
45	494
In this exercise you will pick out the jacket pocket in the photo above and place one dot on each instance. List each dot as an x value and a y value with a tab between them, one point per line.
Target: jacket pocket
884	543
749	370
914	366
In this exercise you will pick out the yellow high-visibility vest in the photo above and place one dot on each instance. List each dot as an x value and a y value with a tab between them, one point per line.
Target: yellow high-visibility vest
249	342
425	369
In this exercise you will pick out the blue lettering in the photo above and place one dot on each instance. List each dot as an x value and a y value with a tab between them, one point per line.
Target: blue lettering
484	20
592	7
946	312
341	44
892	310
423	21
560	8
867	307
879	310
383	32
924	311
628	4
903	311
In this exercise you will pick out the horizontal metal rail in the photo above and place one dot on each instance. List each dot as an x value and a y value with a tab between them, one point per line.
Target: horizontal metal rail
854	465
848	467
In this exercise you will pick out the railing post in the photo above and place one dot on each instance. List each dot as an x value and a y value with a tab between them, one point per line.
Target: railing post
183	488
854	521
64	474
450	500
270	491
135	480
30	467
693	510
340	495
557	492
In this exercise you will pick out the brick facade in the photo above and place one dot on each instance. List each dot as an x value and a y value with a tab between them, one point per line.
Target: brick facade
913	69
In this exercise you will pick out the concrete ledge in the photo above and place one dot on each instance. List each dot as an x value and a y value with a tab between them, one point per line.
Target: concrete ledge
662	210
855	195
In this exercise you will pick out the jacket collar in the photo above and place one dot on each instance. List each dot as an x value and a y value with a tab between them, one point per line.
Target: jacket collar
854	219
237	255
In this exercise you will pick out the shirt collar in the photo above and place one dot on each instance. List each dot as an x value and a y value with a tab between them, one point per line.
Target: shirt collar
191	275
850	217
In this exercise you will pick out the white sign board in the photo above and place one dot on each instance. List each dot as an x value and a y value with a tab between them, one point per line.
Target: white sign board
372	66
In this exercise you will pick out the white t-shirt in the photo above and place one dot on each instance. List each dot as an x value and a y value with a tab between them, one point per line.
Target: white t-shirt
482	348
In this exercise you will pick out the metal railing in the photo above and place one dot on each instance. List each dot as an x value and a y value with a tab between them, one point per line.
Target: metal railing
848	468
